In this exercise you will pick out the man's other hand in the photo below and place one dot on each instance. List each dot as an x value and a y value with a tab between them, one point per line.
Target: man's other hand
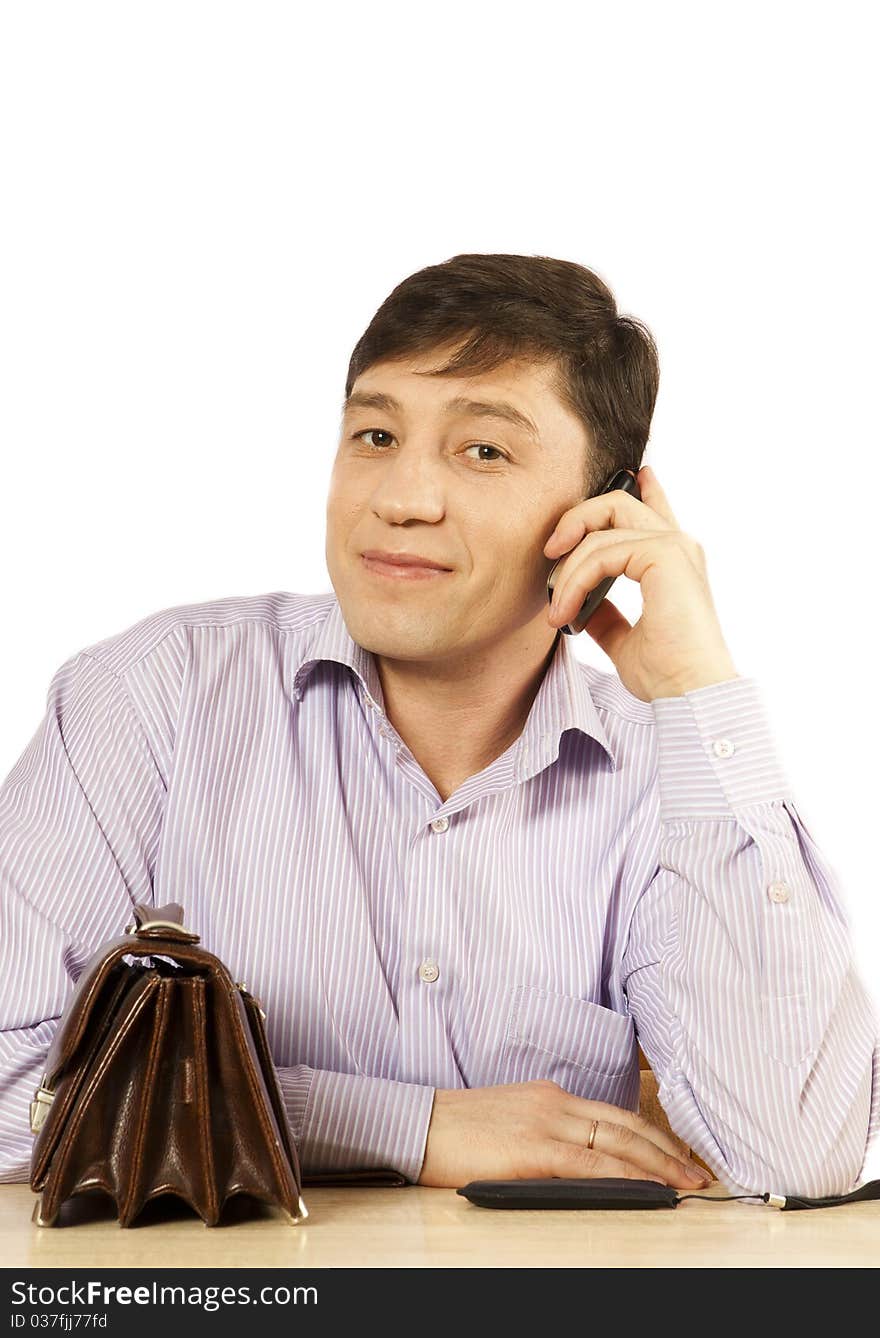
535	1130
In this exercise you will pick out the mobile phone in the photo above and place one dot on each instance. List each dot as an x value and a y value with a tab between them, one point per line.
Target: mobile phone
570	1193
626	481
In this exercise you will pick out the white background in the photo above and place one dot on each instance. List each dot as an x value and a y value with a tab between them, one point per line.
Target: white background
205	203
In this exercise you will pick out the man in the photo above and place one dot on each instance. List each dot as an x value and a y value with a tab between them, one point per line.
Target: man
464	872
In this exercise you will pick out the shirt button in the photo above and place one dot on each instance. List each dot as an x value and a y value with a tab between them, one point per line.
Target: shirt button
778	892
722	747
429	970
440	824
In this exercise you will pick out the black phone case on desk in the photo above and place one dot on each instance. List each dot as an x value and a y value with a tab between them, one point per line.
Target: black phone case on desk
558	1192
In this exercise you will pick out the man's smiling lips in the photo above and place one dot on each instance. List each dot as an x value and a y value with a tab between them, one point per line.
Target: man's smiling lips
402	566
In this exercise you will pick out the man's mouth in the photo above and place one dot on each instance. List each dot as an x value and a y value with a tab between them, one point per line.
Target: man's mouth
403	566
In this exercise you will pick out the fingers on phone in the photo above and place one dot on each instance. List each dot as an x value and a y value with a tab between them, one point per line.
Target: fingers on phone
623	1141
574	1159
629	1119
601	1165
625	1145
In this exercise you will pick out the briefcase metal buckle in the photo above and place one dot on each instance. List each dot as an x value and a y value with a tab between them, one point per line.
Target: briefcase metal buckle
43	1098
240	985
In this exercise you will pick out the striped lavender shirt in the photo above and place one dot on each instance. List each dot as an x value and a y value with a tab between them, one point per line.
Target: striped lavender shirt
624	871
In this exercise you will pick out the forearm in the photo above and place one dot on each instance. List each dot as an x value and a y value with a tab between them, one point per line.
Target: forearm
22	1059
741	972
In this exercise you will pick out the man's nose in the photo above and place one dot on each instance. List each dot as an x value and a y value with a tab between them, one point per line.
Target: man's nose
409	488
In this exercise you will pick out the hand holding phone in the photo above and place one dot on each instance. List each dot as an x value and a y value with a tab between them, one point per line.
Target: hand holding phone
626	481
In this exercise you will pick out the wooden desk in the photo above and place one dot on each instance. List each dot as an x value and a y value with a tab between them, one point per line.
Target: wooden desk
412	1226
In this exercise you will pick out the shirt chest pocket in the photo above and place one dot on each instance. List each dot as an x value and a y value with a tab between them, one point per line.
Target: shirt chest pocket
589	1050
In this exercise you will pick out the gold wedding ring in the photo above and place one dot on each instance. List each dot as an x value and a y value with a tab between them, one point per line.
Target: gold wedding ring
592	1136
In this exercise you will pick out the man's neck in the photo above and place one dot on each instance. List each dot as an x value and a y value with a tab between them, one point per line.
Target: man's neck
457	718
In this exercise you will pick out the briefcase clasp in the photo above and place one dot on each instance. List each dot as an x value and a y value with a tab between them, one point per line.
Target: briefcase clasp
43	1098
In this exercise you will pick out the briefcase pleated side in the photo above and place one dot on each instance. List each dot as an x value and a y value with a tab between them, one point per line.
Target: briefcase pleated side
96	1144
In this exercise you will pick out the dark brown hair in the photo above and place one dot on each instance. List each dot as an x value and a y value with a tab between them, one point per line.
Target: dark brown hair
605	365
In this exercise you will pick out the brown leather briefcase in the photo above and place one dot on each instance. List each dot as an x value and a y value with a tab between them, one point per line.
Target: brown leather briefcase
159	1080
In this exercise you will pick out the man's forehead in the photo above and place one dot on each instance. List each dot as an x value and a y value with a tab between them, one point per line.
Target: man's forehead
520	395
517	376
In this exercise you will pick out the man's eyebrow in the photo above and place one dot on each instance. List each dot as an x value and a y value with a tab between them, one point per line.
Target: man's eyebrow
461	404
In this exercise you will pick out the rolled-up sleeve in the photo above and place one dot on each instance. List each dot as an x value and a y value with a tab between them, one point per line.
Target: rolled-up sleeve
738	965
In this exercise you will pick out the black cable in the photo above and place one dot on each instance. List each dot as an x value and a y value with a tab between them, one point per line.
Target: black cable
791	1202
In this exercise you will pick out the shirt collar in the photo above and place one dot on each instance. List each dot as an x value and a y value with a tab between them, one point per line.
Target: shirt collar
563	700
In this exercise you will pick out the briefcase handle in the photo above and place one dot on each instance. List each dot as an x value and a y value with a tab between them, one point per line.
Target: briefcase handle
155	921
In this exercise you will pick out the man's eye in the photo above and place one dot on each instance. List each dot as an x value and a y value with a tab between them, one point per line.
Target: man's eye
484	446
366	432
477	446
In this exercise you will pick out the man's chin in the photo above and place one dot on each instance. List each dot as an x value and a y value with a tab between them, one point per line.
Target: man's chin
396	629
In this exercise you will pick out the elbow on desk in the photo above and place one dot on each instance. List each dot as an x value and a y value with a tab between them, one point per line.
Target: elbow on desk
804	1180
813	1168
798	1148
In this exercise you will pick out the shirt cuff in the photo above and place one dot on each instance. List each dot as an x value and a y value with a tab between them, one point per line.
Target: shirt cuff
350	1121
716	751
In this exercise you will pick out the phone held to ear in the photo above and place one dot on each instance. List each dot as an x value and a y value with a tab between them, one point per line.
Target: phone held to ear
626	481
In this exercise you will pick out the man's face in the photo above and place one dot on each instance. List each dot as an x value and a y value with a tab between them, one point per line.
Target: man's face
477	494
